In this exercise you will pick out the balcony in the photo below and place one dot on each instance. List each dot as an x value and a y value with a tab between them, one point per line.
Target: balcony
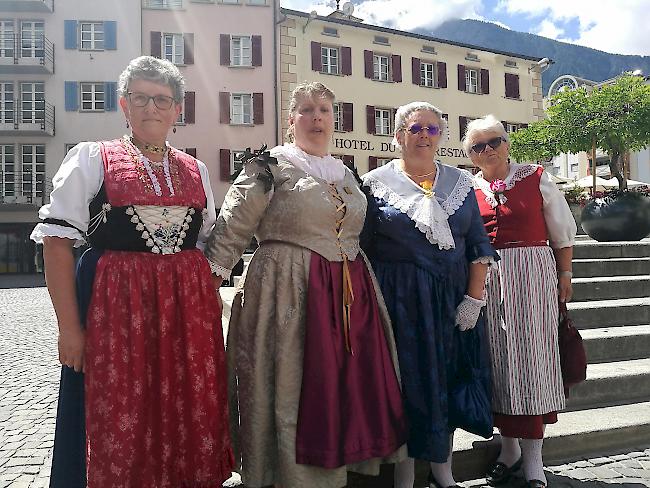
26	55
46	6
28	122
163	4
21	202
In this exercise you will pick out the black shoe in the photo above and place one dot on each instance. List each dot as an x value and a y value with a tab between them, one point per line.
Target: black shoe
499	473
535	484
434	484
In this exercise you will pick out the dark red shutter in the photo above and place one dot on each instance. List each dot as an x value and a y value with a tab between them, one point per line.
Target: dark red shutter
156	40
224	165
367	63
415	71
190	103
224	48
348	117
191	151
372	163
462	125
346	60
370	119
396	65
485	82
258	108
256	45
462	86
224	107
316	56
523	126
188	48
442	74
512	85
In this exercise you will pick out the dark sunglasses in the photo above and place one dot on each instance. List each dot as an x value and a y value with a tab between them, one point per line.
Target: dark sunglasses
163	102
432	130
493	143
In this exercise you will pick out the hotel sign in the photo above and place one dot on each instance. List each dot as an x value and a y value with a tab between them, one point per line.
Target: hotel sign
361	145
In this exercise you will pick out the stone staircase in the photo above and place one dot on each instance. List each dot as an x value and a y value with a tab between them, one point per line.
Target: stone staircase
611	410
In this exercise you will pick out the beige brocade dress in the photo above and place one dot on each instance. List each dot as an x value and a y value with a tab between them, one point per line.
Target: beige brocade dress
268	319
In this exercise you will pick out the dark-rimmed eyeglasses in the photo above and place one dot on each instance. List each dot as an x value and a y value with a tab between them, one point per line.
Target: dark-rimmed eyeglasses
432	130
162	102
493	143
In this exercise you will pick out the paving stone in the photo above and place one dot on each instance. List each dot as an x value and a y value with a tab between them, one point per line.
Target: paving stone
600	460
579	473
636	454
634	473
602	472
583	464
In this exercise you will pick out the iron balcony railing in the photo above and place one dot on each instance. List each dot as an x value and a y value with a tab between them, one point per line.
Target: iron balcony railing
163	4
38	118
27	50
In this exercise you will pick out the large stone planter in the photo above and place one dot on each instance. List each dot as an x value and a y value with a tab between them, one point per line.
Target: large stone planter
624	217
576	210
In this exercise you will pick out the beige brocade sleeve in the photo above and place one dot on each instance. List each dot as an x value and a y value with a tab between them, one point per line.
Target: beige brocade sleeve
239	217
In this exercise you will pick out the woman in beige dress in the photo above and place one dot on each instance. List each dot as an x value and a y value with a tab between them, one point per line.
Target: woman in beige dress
314	386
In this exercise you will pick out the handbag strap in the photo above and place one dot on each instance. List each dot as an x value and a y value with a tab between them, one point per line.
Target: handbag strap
564	313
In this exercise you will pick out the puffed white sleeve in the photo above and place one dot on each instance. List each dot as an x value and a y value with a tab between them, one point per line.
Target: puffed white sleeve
559	220
75	184
210	215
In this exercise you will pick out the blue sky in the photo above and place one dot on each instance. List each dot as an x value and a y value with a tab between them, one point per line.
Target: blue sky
613	26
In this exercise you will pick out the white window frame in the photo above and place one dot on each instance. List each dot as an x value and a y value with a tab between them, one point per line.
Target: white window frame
510	128
258	3
472	80
32	102
330	60
7	33
241	108
230	2
428	74
7	102
241	50
32	34
7	158
383	121
233	154
381	70
177	47
32	159
383	161
91	36
338	116
92	96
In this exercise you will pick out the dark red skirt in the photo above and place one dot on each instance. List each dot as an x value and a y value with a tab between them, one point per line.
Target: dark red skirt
350	404
523	426
156	404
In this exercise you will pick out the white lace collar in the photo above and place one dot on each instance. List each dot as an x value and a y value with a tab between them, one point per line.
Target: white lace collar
429	213
327	168
517	172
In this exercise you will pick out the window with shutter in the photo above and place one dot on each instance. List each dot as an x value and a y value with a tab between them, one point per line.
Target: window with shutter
330	57
338	116
241	51
427	74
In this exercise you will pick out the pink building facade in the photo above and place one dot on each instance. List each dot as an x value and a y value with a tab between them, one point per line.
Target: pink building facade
225	50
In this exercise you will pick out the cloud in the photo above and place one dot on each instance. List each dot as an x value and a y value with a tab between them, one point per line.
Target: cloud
616	27
406	15
549	29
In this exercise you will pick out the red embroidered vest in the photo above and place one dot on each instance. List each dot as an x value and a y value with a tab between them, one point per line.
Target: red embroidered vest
519	222
127	183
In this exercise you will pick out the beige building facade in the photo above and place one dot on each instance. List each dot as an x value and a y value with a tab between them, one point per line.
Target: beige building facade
373	70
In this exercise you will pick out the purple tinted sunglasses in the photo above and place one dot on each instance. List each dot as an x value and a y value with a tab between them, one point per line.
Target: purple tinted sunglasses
432	130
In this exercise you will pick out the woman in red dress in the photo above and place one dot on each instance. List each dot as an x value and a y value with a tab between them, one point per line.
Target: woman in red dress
144	323
530	225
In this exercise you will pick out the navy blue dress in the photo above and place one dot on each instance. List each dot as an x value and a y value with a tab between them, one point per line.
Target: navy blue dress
422	285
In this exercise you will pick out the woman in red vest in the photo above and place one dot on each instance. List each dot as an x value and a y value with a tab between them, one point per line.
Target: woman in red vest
530	224
140	327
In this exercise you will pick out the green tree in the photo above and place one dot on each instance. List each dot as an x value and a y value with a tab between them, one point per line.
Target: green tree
615	117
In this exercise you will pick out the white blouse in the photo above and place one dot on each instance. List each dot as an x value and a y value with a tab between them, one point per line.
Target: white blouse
78	181
560	223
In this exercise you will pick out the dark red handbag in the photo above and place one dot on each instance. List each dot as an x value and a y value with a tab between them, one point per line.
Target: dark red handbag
573	358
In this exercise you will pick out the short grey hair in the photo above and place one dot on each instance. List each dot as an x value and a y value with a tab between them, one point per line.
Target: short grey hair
404	112
155	70
489	123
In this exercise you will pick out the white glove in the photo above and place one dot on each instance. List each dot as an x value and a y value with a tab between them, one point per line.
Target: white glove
467	312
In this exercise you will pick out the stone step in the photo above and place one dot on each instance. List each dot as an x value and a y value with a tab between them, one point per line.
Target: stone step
613	383
617	343
605	250
610	287
588	268
610	313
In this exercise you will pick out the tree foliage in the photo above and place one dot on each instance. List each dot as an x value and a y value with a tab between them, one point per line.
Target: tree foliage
614	116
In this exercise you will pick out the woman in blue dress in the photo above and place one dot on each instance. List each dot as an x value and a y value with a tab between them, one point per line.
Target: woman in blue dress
427	244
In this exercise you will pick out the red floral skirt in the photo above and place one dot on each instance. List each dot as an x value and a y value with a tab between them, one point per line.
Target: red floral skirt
156	411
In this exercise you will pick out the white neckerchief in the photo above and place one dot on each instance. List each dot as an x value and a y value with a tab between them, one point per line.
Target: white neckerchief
327	168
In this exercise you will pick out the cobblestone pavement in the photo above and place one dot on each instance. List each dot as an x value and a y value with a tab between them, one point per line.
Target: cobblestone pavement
29	376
